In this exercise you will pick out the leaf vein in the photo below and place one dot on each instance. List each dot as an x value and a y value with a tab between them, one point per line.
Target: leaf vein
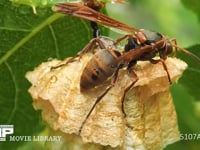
194	70
48	21
14	29
55	41
16	93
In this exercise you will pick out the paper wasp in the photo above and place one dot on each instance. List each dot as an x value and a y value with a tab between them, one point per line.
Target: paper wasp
142	45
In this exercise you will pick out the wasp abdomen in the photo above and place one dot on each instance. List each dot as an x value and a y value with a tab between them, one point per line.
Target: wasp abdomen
101	66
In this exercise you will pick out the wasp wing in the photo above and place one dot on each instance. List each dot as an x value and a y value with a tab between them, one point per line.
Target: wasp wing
81	11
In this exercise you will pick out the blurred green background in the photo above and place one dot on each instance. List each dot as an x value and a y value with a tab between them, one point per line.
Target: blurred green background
27	39
181	20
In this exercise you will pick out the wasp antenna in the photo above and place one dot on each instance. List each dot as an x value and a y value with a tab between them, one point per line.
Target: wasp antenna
121	1
188	52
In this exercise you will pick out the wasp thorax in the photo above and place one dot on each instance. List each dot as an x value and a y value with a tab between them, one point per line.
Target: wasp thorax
148	37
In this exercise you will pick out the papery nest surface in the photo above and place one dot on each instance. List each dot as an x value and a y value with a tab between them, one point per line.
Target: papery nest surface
150	121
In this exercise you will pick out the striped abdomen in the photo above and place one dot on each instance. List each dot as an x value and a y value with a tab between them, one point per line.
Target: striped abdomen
101	66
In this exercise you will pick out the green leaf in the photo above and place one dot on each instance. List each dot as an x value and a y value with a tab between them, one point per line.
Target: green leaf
190	79
187	118
193	5
26	41
185	93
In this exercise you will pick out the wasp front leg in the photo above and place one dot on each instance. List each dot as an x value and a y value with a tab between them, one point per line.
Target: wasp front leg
155	61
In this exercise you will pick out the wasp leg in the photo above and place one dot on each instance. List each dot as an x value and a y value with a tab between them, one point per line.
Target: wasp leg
89	47
155	61
68	61
99	98
122	38
132	74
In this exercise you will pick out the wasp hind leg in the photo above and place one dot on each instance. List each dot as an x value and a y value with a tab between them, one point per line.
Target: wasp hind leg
99	98
89	47
126	36
61	65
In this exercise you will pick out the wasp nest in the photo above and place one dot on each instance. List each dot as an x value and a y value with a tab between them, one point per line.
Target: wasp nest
150	121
